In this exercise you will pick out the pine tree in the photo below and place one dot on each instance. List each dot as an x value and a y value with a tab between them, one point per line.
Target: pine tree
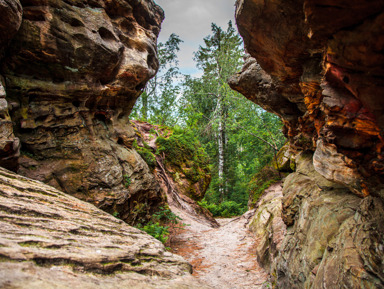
158	102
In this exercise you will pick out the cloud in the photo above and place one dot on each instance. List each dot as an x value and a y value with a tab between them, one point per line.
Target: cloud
191	20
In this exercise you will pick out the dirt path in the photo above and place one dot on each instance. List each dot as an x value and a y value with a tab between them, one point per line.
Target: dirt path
222	257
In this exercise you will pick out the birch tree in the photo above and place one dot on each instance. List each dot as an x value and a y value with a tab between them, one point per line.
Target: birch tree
218	58
237	133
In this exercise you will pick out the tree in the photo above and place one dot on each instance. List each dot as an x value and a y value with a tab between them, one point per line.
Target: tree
157	103
219	58
239	136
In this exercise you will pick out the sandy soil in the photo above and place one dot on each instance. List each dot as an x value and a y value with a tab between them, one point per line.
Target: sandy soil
223	257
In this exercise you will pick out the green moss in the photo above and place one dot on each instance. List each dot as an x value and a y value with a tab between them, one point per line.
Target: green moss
262	181
146	153
183	151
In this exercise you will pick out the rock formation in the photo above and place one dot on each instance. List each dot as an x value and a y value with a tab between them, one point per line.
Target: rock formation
73	73
319	66
58	241
11	15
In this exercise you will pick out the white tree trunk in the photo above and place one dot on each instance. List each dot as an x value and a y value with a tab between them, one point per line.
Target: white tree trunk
221	140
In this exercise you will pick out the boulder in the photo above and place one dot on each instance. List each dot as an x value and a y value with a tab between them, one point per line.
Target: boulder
49	239
268	227
329	231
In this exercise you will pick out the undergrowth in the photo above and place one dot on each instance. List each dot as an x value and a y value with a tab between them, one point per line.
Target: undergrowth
161	224
260	182
146	153
183	150
225	209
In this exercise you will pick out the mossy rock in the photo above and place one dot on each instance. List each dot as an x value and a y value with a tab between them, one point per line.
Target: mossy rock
283	159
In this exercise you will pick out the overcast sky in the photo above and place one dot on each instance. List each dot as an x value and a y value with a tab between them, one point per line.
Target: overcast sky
191	20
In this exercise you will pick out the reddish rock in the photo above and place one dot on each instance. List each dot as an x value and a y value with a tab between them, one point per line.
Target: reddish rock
325	59
323	63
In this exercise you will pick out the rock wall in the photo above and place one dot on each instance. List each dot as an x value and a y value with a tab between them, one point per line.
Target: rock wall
317	234
58	241
73	73
11	15
319	66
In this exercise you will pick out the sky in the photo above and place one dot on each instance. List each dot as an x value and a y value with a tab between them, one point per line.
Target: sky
191	20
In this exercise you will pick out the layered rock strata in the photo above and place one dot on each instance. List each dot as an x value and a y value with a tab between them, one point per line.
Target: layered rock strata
317	234
320	67
58	241
73	73
10	21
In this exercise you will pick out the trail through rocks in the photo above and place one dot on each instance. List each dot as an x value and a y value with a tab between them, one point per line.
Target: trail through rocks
221	257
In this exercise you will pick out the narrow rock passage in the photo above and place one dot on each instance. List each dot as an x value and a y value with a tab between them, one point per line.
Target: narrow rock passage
221	257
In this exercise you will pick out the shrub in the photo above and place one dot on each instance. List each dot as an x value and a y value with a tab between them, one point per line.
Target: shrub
161	223
157	231
225	209
146	153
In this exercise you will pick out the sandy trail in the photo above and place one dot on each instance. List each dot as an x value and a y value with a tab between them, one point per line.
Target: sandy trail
223	257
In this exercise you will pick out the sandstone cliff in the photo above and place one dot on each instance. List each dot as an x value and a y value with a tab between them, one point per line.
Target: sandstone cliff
319	66
73	72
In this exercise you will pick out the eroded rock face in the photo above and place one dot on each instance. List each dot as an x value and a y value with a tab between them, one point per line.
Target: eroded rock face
73	73
329	233
332	236
11	15
59	241
268	227
320	67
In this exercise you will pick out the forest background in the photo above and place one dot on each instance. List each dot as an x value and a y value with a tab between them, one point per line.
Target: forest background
239	137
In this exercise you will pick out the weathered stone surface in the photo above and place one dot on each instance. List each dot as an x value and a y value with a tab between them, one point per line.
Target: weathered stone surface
284	159
10	20
258	86
73	72
332	239
9	144
329	233
323	61
11	14
268	226
49	239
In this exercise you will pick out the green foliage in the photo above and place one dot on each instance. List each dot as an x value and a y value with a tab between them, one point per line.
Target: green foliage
207	109
146	153
261	181
157	231
158	102
160	224
250	133
166	215
127	181
183	149
225	209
